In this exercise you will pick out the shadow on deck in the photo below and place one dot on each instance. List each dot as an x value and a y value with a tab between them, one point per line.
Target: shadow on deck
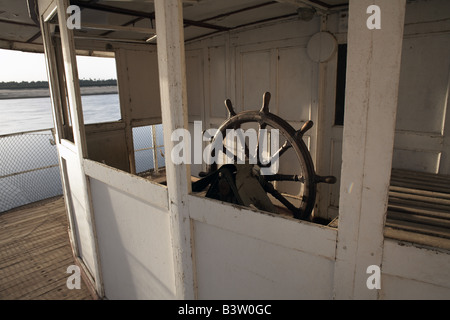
35	252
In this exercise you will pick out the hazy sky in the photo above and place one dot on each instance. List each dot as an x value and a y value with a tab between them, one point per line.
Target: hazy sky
25	66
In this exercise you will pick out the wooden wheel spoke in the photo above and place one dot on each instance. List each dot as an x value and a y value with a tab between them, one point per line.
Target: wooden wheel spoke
285	177
268	187
286	146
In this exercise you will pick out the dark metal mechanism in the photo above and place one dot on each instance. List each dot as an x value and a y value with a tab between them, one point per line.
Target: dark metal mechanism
243	184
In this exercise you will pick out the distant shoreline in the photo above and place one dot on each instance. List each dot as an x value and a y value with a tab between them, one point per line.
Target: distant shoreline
45	92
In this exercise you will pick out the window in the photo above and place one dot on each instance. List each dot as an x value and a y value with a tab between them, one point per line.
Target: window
98	85
58	82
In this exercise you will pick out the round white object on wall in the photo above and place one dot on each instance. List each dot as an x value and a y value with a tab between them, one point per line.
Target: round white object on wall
321	47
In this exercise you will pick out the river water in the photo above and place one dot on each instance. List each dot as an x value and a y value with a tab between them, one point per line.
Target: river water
19	115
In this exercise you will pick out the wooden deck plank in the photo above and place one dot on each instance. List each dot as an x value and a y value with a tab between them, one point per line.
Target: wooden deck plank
32	279
33	265
35	253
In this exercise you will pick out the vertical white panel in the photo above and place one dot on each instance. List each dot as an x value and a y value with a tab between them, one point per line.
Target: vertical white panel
143	84
81	218
256	79
217	82
134	245
235	266
423	135
194	83
424	83
295	84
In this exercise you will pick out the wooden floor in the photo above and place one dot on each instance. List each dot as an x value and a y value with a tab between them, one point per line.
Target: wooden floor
35	253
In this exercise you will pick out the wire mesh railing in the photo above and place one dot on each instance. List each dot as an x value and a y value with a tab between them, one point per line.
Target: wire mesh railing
29	169
148	148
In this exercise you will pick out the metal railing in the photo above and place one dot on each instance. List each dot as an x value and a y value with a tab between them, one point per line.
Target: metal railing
29	168
148	148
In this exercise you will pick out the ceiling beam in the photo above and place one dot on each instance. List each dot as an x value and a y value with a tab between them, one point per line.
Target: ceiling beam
112	9
319	5
34	37
205	25
289	15
226	14
133	21
135	13
245	25
18	23
93	26
21	46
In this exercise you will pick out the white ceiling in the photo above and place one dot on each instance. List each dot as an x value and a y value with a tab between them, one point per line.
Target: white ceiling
201	17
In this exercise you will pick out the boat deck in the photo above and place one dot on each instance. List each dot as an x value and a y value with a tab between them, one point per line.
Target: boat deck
35	252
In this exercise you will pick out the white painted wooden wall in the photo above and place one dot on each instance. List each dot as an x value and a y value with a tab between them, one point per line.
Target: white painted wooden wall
411	272
133	230
422	137
244	254
142	240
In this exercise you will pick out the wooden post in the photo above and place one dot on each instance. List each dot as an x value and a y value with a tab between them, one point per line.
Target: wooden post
74	98
373	71
172	77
